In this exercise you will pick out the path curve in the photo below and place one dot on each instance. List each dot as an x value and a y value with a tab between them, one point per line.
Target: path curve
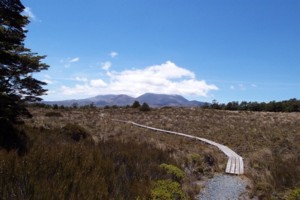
235	163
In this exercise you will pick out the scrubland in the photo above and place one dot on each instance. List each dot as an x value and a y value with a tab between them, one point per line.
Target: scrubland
126	161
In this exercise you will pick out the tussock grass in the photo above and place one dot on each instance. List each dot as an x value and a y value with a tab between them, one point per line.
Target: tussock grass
62	169
268	142
53	114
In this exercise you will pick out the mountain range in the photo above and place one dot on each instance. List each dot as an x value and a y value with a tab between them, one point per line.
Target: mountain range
153	100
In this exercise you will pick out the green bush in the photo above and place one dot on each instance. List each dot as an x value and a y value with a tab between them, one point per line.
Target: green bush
167	190
294	194
194	158
176	173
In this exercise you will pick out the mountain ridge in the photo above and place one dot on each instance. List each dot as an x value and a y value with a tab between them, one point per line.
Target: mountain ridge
152	99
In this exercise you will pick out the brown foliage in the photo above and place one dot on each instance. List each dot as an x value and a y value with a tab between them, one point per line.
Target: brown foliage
54	169
268	142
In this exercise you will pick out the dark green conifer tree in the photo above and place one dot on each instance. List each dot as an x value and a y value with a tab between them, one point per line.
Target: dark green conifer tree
145	107
136	104
17	63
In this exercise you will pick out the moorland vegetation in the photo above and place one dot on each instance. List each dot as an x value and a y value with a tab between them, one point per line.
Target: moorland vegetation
267	141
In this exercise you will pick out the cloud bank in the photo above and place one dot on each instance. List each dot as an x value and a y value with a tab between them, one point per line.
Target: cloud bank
166	78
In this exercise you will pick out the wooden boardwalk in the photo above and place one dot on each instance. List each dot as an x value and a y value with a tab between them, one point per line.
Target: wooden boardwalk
235	164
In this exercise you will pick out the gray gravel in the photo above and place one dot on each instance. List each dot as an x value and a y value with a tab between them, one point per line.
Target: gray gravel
223	187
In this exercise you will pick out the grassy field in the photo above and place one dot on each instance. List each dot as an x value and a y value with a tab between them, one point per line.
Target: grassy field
268	142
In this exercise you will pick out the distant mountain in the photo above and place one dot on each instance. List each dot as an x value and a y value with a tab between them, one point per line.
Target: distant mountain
120	100
160	100
153	100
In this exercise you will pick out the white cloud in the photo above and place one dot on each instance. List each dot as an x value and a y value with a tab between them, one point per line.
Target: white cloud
253	85
113	54
106	65
166	78
83	79
85	89
238	87
78	89
68	62
97	83
74	60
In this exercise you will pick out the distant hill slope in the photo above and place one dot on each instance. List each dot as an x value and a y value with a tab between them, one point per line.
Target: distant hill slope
154	100
160	100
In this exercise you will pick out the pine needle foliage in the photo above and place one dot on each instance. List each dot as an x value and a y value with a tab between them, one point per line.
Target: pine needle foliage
17	63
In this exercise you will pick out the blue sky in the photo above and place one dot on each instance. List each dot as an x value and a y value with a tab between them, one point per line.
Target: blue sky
229	50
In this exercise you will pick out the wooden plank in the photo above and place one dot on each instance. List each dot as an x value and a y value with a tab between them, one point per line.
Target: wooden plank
237	167
232	168
228	166
241	165
235	164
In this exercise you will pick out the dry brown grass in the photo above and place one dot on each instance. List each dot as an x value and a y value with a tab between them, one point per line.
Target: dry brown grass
58	167
268	142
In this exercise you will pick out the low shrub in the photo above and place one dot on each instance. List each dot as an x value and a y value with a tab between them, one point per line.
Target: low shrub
53	114
195	164
175	173
294	194
209	159
167	190
263	190
75	132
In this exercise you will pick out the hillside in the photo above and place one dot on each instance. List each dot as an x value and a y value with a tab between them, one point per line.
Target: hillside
154	100
267	141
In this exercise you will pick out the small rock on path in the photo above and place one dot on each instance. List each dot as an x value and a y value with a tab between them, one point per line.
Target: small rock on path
223	187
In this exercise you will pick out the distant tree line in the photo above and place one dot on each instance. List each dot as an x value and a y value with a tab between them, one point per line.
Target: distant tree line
136	104
292	105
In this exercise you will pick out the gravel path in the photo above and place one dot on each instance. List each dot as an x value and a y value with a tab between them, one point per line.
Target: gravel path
223	187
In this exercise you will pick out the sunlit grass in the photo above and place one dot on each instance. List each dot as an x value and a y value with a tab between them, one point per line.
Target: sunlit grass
266	141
